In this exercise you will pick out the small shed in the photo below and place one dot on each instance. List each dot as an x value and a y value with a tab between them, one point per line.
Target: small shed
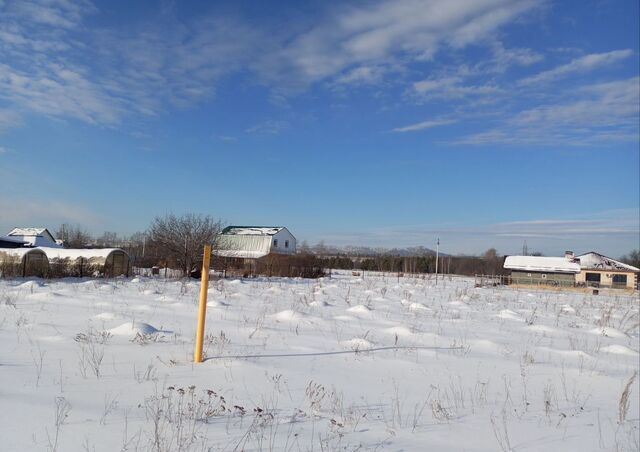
542	270
109	262
35	237
254	242
597	270
23	262
252	250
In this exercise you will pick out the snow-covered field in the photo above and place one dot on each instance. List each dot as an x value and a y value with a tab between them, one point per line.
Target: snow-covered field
383	363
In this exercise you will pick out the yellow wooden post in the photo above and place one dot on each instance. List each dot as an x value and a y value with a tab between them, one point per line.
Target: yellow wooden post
202	311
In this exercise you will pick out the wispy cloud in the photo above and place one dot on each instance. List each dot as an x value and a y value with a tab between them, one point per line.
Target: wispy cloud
613	232
379	33
424	125
604	112
9	119
269	127
579	65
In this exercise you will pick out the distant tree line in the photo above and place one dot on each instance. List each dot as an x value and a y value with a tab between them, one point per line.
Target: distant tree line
490	263
176	242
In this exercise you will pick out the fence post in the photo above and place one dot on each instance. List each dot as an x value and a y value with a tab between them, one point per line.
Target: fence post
202	311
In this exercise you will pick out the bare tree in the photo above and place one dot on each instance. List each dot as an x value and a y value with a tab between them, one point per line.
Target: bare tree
73	236
182	238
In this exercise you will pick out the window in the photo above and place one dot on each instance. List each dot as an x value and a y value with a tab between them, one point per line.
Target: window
593	279
286	244
620	279
275	243
529	275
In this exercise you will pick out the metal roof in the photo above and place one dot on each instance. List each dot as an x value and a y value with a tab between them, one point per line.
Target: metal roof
597	261
252	230
541	264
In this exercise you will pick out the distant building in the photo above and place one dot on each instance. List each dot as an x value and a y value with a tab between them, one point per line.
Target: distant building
587	270
542	270
254	242
35	237
597	270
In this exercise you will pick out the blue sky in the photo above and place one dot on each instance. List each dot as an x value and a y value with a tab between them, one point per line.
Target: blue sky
380	123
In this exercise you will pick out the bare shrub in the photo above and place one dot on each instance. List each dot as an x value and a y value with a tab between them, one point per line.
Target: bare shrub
623	404
61	411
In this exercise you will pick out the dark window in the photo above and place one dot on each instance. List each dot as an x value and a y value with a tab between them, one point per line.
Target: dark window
275	243
620	279
286	244
593	277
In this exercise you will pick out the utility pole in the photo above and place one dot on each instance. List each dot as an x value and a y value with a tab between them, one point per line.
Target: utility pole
437	258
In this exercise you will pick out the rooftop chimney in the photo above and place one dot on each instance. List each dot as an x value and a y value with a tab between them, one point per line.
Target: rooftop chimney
569	255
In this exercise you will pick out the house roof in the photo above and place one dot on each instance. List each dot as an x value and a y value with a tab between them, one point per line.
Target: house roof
252	230
29	232
597	261
11	239
541	264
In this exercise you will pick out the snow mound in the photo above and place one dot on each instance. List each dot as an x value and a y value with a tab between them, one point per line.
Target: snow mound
568	309
131	328
399	331
31	284
359	309
459	304
509	315
543	329
135	280
357	344
619	350
287	316
418	307
216	304
608	332
105	316
345	318
485	346
320	304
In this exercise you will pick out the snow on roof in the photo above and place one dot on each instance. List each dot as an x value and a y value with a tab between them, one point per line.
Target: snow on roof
596	261
29	232
62	253
252	230
19	252
6	238
541	264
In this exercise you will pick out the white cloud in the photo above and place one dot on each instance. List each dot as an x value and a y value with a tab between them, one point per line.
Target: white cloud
579	65
424	125
269	127
381	32
9	119
605	112
452	87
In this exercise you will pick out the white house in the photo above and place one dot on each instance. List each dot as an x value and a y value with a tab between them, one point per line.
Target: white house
35	237
254	242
